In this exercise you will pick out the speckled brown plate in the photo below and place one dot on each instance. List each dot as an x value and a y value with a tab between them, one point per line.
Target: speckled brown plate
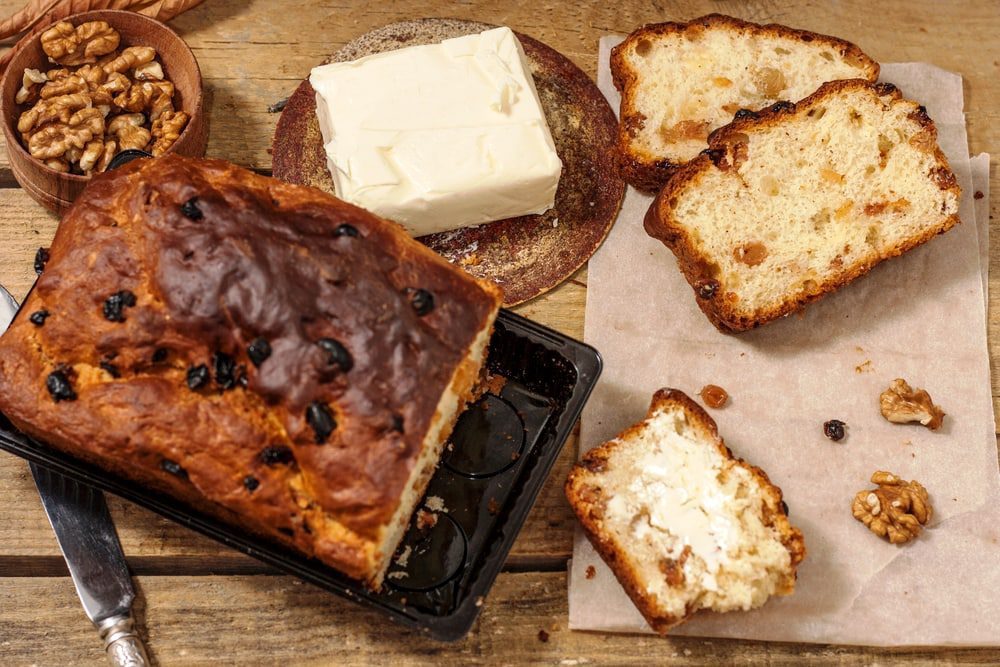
527	256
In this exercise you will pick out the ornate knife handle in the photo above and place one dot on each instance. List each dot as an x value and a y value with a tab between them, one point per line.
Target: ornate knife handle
122	644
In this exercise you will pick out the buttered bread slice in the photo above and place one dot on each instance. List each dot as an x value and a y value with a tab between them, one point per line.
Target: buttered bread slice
794	202
680	81
683	524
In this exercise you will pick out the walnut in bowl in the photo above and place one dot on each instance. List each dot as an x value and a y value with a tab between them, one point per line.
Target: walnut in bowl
91	86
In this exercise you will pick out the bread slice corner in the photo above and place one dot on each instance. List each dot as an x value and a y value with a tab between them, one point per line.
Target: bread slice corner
683	524
794	202
680	81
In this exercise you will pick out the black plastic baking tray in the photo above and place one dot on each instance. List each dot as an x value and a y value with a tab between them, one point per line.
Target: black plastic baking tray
497	460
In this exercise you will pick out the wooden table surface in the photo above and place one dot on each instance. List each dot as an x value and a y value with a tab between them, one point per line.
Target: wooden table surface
199	602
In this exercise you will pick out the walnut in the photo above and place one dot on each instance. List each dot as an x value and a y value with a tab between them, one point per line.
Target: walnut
88	82
99	97
105	59
133	138
93	75
110	148
128	130
130	58
138	97
58	164
60	40
68	45
116	124
86	111
56	108
151	71
166	129
54	139
73	154
29	79
92	152
896	510
116	83
63	86
163	99
96	38
901	404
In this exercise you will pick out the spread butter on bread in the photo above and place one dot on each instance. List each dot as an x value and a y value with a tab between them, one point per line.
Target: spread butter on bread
683	524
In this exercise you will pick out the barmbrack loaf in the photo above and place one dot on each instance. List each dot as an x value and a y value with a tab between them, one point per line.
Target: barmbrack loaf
257	350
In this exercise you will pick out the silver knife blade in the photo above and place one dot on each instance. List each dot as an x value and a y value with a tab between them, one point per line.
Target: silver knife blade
89	544
88	541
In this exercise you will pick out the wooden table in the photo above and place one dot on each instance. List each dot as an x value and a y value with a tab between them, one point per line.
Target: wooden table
200	602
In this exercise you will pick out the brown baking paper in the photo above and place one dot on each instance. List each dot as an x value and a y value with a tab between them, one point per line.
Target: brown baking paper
920	317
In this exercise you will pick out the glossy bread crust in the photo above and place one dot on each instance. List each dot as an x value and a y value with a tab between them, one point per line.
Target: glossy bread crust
217	258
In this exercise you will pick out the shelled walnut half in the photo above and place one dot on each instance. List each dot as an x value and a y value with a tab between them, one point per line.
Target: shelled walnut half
901	404
97	101
70	46
897	510
29	82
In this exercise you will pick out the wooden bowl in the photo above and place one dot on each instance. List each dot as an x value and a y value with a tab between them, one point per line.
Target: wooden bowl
57	191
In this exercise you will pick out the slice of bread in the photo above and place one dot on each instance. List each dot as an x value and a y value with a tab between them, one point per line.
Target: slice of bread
683	524
680	81
794	202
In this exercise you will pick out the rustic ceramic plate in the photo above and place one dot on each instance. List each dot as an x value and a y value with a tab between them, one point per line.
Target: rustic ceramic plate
526	256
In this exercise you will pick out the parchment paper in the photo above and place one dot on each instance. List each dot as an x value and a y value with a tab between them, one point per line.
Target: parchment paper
920	317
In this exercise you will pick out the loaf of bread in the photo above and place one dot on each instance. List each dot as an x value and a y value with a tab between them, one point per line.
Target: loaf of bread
260	351
794	202
683	524
680	81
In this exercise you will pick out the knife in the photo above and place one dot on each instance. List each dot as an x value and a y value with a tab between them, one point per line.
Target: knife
89	543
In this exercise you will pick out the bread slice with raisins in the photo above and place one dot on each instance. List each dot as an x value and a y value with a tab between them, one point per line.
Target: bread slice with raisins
684	525
680	81
796	201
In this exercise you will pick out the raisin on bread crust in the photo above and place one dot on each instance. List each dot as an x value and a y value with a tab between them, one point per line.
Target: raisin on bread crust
794	202
654	550
679	81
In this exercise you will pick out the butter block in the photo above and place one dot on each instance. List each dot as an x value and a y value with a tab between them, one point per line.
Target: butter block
440	136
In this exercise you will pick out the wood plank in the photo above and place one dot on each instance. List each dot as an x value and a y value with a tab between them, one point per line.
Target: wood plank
279	620
252	56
